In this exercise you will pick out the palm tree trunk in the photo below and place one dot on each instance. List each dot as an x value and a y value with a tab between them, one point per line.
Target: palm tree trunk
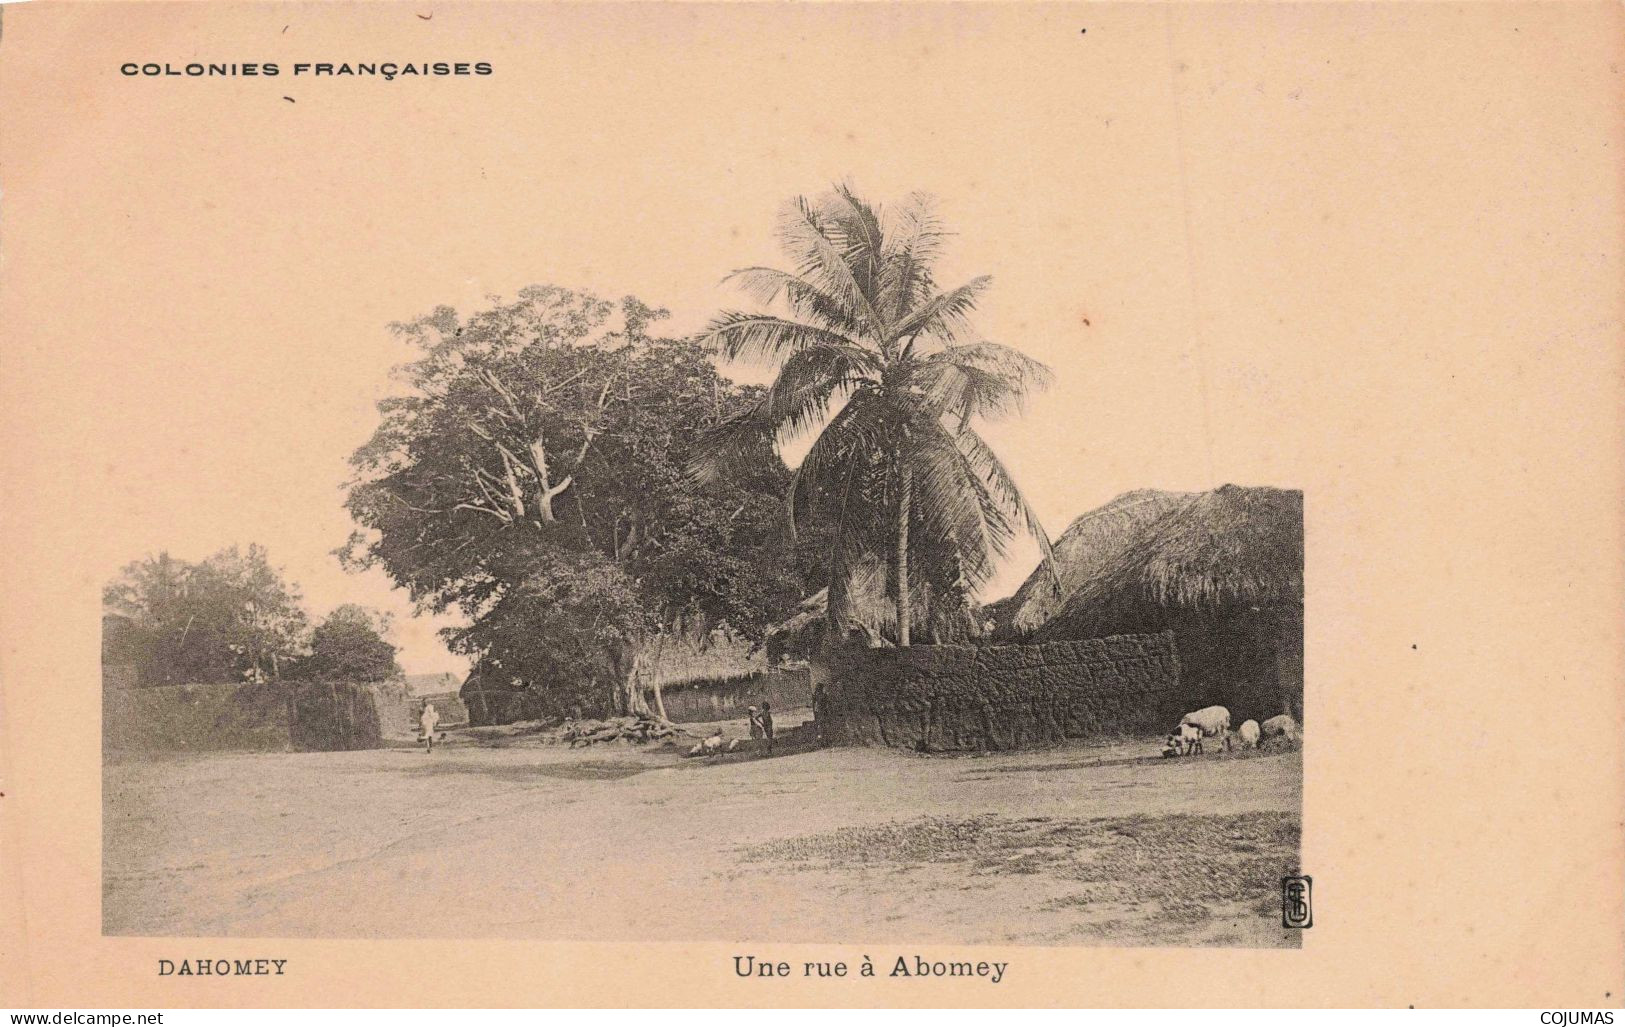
904	614
835	607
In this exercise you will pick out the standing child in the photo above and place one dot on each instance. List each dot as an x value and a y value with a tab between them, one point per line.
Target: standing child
755	728
428	721
767	724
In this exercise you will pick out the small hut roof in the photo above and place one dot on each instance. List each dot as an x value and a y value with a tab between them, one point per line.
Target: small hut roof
1230	548
798	634
867	607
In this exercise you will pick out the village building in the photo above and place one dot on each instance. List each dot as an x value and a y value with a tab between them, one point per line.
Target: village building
688	674
1091	544
1223	571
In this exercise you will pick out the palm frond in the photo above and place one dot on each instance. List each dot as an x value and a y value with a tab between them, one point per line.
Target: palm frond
912	245
765	285
980	379
944	315
956	494
987	463
820	253
845	474
858	224
1003	360
764	338
855	433
797	401
960	520
726	444
808	383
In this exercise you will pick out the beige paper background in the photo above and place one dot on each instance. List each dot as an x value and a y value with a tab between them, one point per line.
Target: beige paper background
1373	252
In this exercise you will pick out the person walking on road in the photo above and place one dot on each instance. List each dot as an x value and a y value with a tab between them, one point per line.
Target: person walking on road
428	721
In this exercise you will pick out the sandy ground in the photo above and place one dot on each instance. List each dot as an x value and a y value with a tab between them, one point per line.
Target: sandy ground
1077	845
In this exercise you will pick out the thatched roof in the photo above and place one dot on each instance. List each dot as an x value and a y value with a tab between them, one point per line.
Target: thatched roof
676	657
867	609
871	613
1230	550
1090	544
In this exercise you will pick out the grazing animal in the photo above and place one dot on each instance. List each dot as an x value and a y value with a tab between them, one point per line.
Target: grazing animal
713	744
1282	726
1211	721
1249	734
1188	737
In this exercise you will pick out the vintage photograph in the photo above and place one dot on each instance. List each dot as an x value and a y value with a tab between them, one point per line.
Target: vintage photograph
750	633
667	505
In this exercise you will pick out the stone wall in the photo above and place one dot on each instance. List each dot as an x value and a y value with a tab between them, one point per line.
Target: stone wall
947	698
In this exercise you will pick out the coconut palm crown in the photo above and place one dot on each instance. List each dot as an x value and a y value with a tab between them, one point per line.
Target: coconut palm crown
887	370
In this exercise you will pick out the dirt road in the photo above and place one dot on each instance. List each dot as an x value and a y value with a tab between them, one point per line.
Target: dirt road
1079	845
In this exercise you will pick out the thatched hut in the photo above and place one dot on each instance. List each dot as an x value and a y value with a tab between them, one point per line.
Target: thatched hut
1086	549
1223	571
695	653
800	636
869	617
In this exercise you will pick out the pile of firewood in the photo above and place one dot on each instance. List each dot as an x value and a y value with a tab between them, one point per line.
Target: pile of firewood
632	729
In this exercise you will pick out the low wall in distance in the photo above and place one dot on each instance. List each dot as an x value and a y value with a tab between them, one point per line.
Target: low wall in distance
405	716
233	717
221	717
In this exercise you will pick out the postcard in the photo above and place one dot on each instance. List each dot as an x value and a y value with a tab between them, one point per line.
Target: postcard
926	504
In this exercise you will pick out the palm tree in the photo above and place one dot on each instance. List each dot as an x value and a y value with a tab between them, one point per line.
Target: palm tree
887	370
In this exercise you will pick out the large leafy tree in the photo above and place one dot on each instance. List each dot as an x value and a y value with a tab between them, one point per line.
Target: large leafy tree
884	367
351	644
531	476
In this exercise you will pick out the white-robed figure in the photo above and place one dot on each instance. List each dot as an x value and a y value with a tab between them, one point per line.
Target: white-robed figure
427	720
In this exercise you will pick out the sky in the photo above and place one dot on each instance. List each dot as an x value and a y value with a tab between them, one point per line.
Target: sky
1194	224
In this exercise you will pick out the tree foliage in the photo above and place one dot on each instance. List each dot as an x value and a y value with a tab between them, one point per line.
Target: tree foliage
884	368
351	645
231	617
530	474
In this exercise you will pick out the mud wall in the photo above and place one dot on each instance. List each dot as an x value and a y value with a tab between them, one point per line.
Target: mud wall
485	707
945	698
329	716
231	717
192	718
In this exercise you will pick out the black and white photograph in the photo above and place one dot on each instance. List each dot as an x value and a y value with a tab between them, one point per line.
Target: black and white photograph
724	662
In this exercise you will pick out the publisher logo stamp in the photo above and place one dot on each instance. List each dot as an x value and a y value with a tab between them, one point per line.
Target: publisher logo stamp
1296	911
